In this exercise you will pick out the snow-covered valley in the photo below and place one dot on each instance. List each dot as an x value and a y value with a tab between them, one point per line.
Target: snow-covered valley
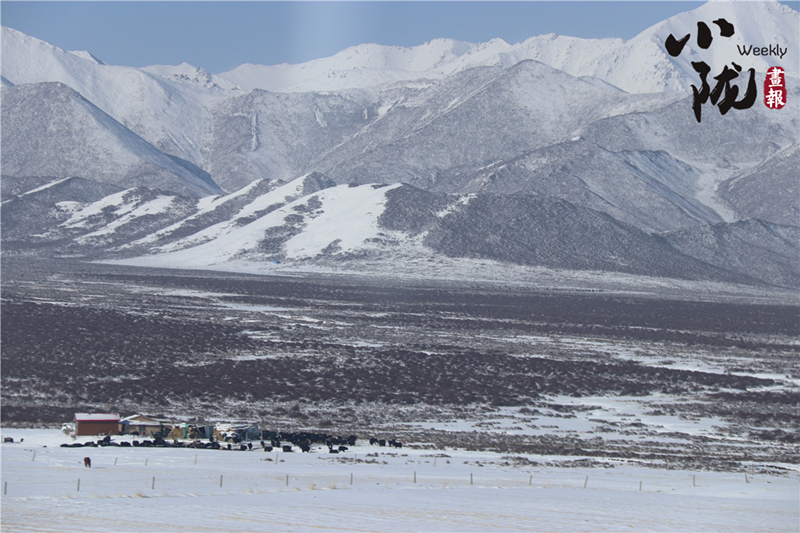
371	489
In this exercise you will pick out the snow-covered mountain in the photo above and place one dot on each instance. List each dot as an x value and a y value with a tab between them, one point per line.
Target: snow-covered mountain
754	24
163	110
51	130
638	65
312	221
557	152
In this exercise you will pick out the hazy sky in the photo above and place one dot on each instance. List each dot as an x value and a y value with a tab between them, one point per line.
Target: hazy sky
222	35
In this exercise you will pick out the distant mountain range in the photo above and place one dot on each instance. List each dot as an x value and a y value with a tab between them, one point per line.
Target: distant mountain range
556	152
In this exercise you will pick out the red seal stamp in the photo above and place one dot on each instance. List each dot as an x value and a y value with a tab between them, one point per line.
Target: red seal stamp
775	88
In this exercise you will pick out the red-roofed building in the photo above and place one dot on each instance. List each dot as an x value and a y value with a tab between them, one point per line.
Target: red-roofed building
96	424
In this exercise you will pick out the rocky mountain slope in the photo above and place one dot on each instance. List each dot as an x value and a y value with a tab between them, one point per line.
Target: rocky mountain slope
312	221
49	129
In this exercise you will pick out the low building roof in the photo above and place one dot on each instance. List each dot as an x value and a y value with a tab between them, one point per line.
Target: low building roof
142	423
96	417
138	417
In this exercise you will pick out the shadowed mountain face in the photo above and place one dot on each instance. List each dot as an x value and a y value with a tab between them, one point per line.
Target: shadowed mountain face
538	230
51	130
771	250
768	191
30	204
648	189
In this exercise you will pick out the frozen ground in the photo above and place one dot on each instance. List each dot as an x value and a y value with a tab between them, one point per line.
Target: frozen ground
693	385
421	264
136	489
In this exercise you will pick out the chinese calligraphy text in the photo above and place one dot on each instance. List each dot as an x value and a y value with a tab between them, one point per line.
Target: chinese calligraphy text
723	87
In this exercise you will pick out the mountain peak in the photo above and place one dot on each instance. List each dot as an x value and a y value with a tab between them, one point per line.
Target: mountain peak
755	24
186	73
87	56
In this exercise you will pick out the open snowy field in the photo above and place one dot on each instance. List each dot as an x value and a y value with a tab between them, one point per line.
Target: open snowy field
47	488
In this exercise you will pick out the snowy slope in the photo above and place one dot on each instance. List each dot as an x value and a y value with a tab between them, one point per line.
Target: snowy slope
309	223
232	212
166	112
124	213
51	130
335	220
209	208
394	224
119	217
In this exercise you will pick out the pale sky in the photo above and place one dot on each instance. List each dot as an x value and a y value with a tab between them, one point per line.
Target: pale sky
220	36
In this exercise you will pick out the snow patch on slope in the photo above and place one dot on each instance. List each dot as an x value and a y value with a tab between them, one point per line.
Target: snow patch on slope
355	208
318	220
45	186
80	218
131	213
277	196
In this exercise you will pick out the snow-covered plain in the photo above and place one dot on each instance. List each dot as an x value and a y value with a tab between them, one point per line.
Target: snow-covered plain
135	489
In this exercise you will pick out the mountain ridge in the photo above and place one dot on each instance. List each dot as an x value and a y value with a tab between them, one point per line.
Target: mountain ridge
314	223
636	65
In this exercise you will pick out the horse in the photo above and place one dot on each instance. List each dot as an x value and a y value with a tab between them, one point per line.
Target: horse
87	463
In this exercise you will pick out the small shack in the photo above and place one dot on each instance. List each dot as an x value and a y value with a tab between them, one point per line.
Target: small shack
143	425
96	424
238	431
